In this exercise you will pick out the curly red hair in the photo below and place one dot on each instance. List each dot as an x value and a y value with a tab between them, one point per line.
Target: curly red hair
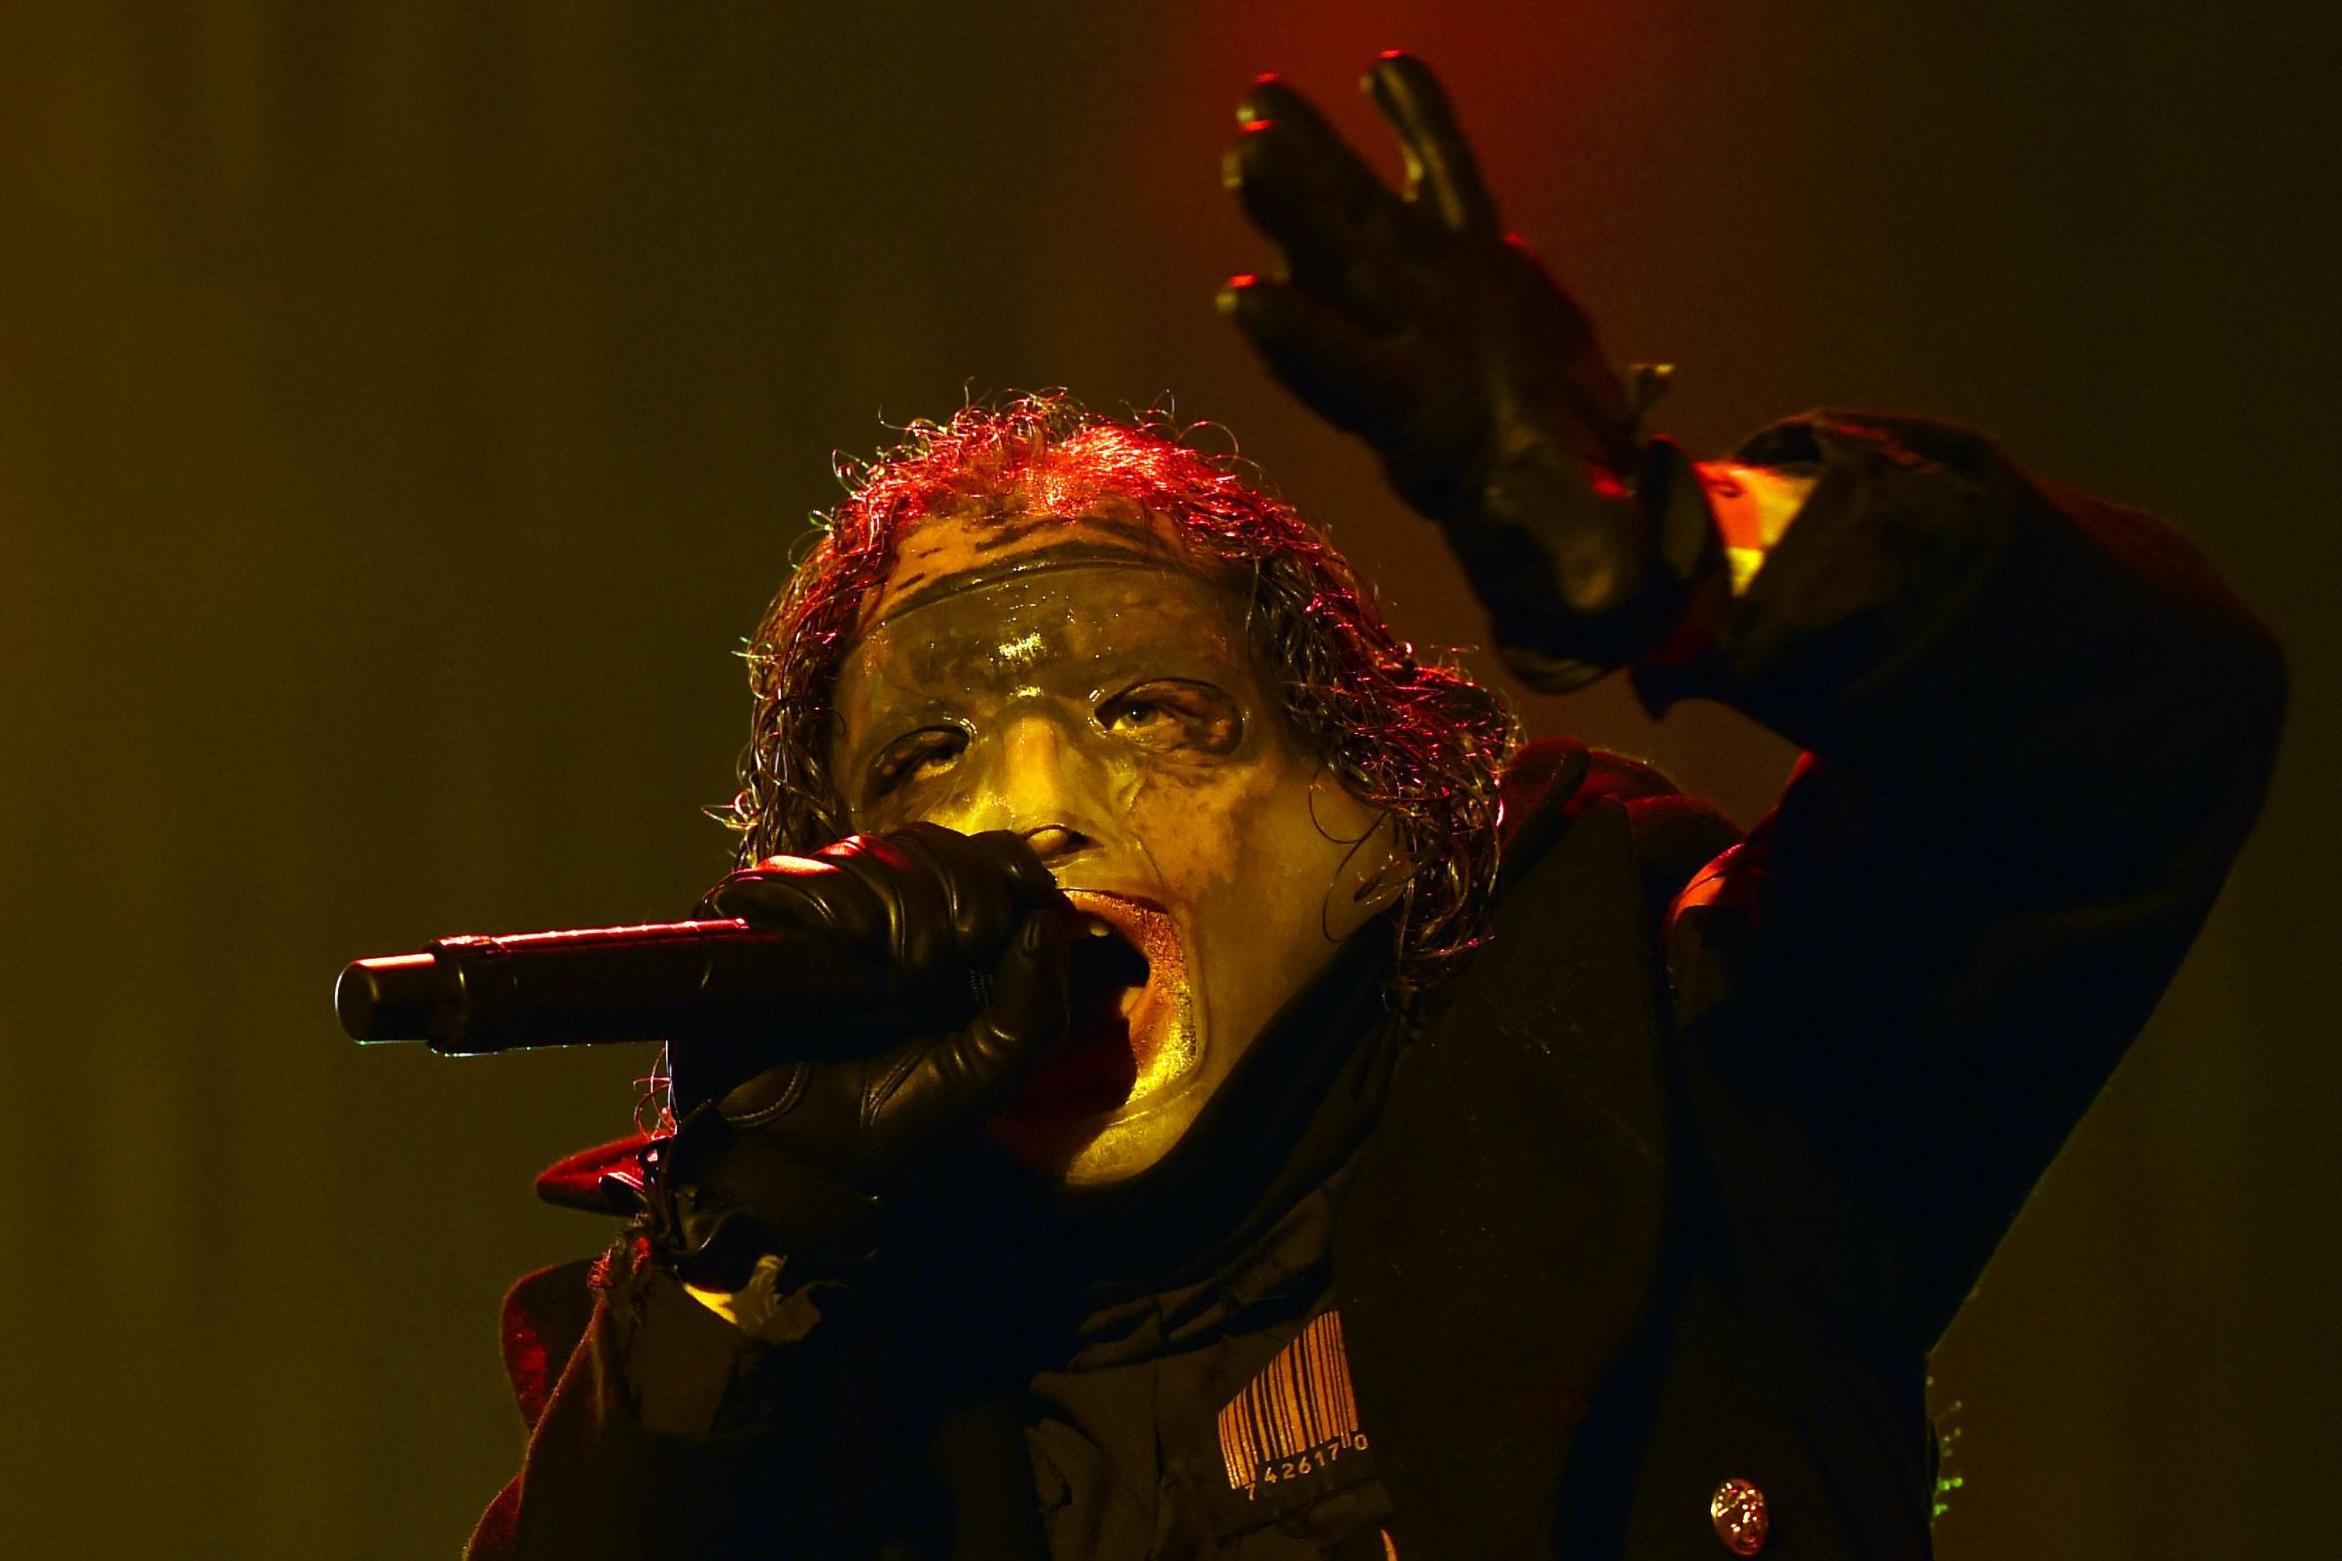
1416	740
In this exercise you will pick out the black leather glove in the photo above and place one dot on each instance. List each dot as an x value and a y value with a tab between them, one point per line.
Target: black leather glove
924	909
803	1156
1415	322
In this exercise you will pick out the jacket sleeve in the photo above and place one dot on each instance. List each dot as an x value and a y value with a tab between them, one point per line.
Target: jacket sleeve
2037	730
626	1457
671	1432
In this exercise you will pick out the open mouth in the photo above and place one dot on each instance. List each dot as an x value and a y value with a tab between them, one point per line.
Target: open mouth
1130	1029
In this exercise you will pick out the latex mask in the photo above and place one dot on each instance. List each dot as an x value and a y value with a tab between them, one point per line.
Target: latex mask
1078	681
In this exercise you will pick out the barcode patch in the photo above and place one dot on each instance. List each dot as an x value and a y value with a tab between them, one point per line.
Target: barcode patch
1298	1415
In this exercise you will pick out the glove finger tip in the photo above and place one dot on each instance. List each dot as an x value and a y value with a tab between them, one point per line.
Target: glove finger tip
1265	87
1403	77
1243	297
1026	873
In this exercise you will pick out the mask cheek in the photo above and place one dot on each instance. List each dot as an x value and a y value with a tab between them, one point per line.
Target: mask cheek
1193	830
1223	850
1133	787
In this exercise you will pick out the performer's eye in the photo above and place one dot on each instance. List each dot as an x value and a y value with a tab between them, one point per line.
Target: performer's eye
916	756
1175	713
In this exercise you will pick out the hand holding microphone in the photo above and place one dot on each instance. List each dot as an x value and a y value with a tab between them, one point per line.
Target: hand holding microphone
913	910
824	1044
800	1157
829	947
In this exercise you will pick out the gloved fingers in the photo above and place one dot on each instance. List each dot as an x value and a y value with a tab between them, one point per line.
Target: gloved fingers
1030	1006
757	1193
1350	378
765	1098
1310	149
870	893
1441	170
1006	852
733	894
801	891
968	1076
987	881
1550	315
949	898
1334	219
916	936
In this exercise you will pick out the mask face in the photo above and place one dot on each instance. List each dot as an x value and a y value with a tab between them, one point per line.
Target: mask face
1091	692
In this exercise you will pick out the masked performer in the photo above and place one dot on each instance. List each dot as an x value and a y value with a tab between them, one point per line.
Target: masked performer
1363	1138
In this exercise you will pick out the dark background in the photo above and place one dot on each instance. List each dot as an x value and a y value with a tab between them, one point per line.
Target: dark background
404	412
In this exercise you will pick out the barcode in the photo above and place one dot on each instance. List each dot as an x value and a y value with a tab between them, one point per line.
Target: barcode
1300	1411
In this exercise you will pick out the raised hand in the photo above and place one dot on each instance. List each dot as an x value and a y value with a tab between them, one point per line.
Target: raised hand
1411	319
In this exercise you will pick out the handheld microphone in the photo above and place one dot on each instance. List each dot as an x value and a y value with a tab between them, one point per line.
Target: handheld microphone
469	995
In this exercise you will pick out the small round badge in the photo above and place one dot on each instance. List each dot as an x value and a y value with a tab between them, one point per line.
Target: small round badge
1738	1511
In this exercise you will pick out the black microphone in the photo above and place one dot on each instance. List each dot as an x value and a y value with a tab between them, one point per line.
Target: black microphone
597	985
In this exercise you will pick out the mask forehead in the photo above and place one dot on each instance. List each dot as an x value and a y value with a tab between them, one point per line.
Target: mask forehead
1065	619
953	554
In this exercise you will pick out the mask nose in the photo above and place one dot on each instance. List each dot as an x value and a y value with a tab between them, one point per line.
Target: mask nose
1053	843
1048	790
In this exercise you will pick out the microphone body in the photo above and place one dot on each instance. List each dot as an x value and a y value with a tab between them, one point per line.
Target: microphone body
472	994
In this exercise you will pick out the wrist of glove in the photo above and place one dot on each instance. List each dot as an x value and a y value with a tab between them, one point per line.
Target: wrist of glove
718	1200
1582	572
